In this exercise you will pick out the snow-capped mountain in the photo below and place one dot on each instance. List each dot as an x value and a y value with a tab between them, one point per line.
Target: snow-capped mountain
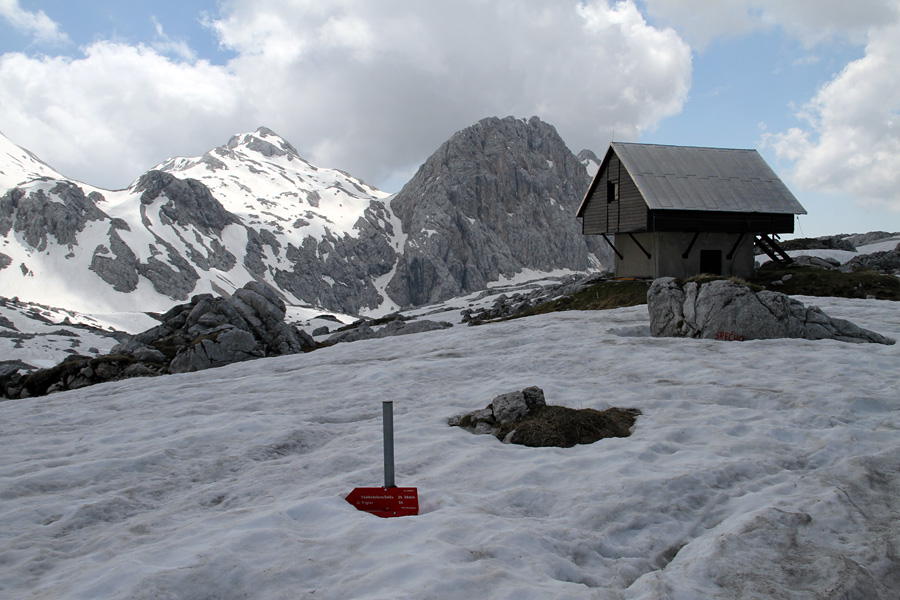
19	166
254	209
273	216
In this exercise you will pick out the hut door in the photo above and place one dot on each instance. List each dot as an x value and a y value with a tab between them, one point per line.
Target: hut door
711	262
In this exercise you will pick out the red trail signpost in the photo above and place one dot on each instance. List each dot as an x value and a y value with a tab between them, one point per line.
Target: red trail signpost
390	500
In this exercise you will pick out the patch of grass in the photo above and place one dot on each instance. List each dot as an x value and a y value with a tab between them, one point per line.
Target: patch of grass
603	295
706	278
813	281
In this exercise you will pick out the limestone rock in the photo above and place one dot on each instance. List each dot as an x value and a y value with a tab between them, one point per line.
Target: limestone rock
883	262
59	213
497	198
204	333
223	347
502	411
510	407
188	202
728	310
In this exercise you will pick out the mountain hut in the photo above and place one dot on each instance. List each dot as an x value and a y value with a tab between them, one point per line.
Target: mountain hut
678	210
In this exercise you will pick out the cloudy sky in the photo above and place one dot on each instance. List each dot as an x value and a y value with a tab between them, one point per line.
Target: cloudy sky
103	90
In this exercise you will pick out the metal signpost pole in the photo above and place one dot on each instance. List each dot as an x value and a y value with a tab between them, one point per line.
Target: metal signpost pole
390	500
388	419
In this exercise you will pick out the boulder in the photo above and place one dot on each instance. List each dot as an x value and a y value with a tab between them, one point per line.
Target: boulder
510	407
728	310
139	351
820	262
222	347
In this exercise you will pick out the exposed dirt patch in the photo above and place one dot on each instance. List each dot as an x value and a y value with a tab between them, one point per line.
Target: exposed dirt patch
566	427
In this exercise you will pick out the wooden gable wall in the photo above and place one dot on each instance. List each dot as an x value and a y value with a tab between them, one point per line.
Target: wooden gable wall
627	214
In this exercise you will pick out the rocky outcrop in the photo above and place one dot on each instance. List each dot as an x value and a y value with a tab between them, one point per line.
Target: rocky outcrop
827	242
187	204
497	198
871	237
204	333
523	417
339	272
214	331
362	330
727	310
508	305
884	262
37	218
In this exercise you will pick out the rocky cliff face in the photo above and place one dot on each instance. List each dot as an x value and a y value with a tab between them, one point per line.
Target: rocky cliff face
496	199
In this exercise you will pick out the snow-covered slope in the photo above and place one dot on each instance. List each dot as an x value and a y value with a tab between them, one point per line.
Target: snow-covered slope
18	165
252	209
42	336
261	178
763	469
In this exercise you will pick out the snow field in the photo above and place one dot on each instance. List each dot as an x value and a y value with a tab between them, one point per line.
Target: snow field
758	469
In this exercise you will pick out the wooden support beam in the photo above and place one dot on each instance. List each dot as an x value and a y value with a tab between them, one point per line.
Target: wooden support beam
691	245
611	245
634	239
734	248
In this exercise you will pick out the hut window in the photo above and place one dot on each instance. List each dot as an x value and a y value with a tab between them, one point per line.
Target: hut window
612	191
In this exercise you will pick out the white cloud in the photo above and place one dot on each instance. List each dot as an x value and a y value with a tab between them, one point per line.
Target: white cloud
164	44
113	113
37	24
371	88
851	143
701	21
380	85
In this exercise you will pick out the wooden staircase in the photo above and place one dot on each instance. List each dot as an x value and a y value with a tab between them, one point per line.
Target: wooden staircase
767	244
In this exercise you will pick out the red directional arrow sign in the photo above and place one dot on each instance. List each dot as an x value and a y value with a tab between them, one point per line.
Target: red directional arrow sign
390	500
386	501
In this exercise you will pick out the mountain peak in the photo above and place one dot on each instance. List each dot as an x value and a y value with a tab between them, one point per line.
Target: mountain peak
496	200
590	161
18	165
264	141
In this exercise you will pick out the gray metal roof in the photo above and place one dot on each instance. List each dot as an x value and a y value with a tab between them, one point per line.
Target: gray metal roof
710	179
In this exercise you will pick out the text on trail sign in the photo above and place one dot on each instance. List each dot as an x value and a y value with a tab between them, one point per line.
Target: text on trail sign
385	501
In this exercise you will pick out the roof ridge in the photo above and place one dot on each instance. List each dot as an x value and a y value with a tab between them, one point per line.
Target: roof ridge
682	146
